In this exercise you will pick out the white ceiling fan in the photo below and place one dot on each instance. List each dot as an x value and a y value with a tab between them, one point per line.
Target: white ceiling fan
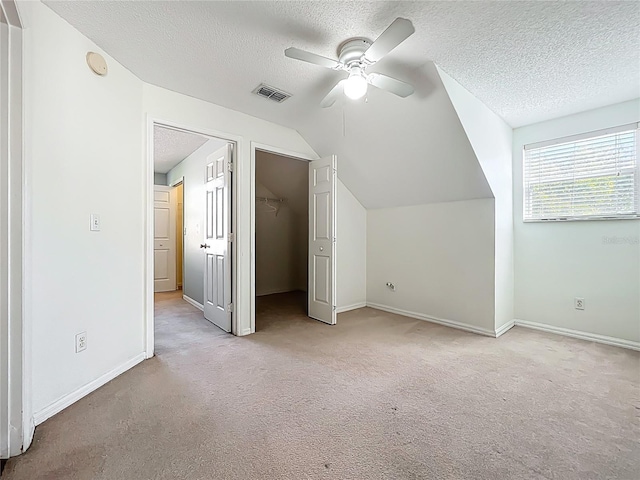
355	56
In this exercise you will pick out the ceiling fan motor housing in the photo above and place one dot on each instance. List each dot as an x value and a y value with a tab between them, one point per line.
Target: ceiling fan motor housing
352	50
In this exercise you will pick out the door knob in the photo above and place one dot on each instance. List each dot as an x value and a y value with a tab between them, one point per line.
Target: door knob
322	249
204	245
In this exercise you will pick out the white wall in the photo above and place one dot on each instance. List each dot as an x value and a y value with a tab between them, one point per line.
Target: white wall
192	170
281	246
159	178
351	251
81	132
439	256
557	261
492	142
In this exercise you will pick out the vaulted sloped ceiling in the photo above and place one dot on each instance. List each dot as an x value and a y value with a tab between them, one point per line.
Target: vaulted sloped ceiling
396	152
528	61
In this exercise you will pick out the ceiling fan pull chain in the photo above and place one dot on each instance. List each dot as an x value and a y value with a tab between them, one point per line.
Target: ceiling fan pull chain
344	127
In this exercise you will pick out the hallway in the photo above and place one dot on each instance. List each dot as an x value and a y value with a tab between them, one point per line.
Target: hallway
180	326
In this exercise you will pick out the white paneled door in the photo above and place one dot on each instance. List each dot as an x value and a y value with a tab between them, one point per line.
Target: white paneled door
322	239
164	240
217	245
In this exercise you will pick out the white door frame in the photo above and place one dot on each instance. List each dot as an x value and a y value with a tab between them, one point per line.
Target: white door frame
16	422
180	180
148	242
278	151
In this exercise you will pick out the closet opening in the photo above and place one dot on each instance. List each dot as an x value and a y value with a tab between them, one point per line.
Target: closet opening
281	239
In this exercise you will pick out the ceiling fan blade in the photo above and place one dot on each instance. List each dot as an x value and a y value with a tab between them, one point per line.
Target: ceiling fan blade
394	35
390	84
333	95
298	54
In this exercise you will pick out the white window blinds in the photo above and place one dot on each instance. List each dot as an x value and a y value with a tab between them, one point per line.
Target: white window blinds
583	177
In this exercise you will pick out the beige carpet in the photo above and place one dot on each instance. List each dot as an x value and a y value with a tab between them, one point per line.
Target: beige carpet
377	396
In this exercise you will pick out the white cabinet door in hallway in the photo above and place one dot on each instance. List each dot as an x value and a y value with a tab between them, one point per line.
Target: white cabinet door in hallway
322	239
217	269
164	241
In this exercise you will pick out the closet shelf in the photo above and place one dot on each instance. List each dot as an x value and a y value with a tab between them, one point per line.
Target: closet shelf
267	202
268	199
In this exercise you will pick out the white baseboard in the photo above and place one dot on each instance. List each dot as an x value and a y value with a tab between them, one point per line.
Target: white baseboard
592	337
348	308
440	321
190	300
505	328
73	397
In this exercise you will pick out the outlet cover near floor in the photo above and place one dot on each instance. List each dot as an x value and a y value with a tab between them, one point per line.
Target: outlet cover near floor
579	303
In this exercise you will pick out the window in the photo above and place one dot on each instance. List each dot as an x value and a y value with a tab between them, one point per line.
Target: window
584	177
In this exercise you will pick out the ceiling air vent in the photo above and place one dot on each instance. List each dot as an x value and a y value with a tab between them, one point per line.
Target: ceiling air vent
271	93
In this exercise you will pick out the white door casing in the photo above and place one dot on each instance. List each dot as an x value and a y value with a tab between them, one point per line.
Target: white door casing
164	239
322	239
16	426
217	245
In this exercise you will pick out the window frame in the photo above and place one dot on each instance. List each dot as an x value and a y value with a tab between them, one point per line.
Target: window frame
574	138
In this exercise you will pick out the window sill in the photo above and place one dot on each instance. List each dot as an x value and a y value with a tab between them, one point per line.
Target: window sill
582	219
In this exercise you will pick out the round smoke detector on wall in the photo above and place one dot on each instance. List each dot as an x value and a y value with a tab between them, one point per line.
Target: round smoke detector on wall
97	63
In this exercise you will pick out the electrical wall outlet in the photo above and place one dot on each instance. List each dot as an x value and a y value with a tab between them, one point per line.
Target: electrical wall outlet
81	342
578	303
95	222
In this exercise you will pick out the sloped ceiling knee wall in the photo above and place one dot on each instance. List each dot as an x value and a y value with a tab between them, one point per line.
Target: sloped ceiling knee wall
492	140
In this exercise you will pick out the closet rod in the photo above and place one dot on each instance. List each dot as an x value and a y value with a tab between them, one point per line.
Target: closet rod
267	199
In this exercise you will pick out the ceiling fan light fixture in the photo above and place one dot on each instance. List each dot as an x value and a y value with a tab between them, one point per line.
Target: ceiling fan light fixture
355	86
357	54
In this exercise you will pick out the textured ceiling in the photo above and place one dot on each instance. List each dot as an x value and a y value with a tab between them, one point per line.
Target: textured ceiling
527	61
170	147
